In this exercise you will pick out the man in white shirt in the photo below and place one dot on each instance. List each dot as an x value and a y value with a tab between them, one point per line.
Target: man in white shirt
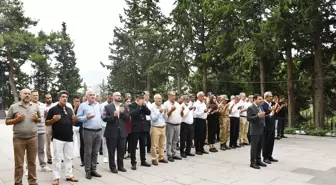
234	122
243	120
175	113
148	118
200	115
187	128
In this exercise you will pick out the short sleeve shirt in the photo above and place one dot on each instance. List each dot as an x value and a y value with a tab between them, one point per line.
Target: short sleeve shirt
61	129
27	128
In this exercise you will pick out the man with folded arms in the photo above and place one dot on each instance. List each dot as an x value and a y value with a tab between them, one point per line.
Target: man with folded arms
90	114
175	113
158	130
256	118
23	116
115	115
61	119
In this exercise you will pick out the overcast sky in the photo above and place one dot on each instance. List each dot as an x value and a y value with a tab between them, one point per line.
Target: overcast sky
90	25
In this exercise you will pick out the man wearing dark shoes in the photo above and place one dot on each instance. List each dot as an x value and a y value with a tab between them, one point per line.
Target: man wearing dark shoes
140	127
256	118
115	115
269	135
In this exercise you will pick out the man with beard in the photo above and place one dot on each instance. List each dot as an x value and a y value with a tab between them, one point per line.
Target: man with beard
62	118
140	126
103	145
115	115
48	104
256	118
90	114
23	116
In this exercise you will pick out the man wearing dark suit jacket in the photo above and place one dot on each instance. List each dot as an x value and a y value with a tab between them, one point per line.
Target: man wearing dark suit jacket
269	129
256	118
140	127
115	116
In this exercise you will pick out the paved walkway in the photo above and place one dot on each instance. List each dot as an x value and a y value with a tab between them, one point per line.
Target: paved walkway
303	160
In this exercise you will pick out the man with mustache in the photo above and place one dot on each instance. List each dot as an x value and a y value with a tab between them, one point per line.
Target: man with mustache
61	119
24	116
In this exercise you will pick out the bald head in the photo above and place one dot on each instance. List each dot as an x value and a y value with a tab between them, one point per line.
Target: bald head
117	97
25	95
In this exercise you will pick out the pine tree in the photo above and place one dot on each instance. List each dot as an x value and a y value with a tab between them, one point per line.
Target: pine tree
67	73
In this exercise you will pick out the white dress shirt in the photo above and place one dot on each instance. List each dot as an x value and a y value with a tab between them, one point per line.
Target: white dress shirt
102	106
175	117
199	111
188	115
149	106
235	111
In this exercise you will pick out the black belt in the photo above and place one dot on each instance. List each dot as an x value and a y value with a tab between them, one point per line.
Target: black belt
243	116
93	130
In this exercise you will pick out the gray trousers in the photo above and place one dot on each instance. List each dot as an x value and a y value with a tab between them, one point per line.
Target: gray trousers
40	150
92	140
172	135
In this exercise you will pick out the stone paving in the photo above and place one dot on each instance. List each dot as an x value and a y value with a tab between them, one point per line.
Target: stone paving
303	160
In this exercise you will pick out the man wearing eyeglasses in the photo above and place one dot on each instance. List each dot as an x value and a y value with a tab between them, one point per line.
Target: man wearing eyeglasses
269	128
90	114
61	119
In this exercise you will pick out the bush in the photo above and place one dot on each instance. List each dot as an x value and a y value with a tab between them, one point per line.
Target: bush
290	130
317	132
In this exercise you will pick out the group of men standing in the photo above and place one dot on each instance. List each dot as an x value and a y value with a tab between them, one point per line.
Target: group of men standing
159	126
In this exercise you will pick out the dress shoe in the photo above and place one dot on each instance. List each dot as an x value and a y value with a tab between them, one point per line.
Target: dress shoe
183	155
273	160
227	147
114	170
49	161
284	137
254	165
190	154
163	161
71	179
170	159
88	175
260	163
222	147
82	164
233	147
155	163
122	169
95	174
278	138
237	146
215	149
177	158
267	161
205	152
199	153
133	167
145	164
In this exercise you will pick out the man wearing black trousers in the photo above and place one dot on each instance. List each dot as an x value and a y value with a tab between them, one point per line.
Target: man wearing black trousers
256	118
148	118
200	115
234	122
115	115
140	127
270	128
281	115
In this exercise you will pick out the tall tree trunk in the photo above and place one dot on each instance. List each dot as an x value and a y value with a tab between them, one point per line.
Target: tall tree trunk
11	75
318	84
178	81
262	76
290	89
149	83
204	80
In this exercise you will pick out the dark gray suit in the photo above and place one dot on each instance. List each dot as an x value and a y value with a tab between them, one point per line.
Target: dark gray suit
257	129
115	134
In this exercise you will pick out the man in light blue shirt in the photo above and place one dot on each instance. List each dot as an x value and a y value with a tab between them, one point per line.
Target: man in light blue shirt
158	130
90	114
